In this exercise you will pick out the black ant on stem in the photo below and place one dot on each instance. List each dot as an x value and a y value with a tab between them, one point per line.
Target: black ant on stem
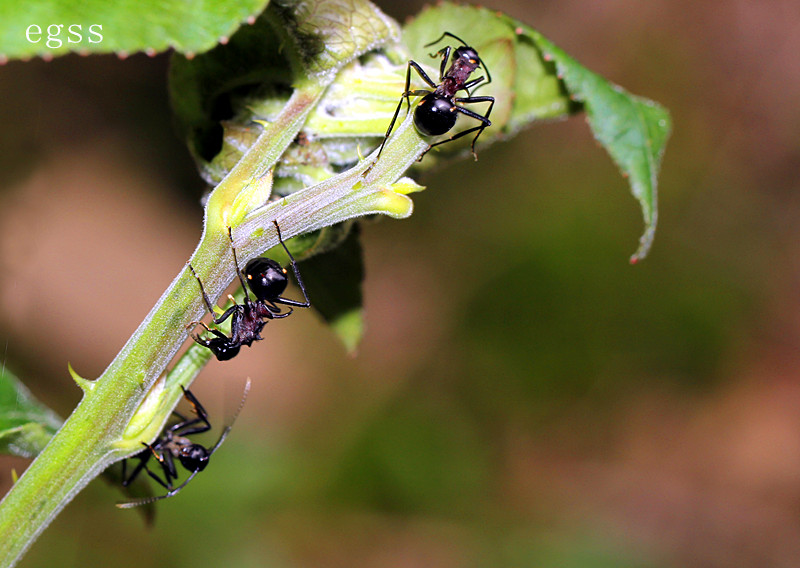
174	444
437	111
267	280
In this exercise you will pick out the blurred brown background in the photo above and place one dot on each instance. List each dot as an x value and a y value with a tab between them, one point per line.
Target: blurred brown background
523	396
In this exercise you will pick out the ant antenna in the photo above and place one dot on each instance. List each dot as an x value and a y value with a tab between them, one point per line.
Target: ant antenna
444	35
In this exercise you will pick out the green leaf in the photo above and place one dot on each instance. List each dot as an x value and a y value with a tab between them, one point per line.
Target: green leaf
222	98
204	89
330	33
632	129
532	79
124	26
334	278
25	424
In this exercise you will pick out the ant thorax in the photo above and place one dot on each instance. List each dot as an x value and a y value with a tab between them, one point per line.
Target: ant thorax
457	75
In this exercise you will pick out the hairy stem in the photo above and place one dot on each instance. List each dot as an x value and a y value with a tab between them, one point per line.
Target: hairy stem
94	436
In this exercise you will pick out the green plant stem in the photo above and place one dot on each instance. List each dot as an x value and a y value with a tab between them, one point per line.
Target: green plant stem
85	445
93	436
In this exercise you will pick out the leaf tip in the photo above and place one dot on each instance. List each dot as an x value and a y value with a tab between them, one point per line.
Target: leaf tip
645	242
350	329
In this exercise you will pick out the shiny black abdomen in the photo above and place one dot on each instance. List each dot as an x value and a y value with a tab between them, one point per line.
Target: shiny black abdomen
434	115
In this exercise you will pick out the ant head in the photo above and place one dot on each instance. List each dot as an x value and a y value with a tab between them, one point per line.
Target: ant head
468	53
194	457
266	278
223	349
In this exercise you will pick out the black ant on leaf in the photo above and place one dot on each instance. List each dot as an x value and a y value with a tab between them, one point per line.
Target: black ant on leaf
437	110
174	444
267	280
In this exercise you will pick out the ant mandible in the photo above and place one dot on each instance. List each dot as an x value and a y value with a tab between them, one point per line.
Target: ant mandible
437	111
267	280
174	444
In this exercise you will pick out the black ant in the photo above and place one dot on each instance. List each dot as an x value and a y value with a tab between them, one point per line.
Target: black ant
437	111
267	280
174	444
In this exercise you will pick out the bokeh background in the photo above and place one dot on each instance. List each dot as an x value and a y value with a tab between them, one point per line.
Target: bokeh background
523	397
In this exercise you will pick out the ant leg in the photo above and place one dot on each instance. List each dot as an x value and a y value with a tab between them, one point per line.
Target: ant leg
469	84
274	312
206	342
181	417
216	319
484	118
406	94
422	75
192	324
388	132
268	309
236	263
297	276
470	100
445	53
167	465
165	484
143	457
230	311
202	291
394	116
196	406
202	416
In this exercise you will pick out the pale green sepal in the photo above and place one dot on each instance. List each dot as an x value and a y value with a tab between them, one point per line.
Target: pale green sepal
250	197
406	185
